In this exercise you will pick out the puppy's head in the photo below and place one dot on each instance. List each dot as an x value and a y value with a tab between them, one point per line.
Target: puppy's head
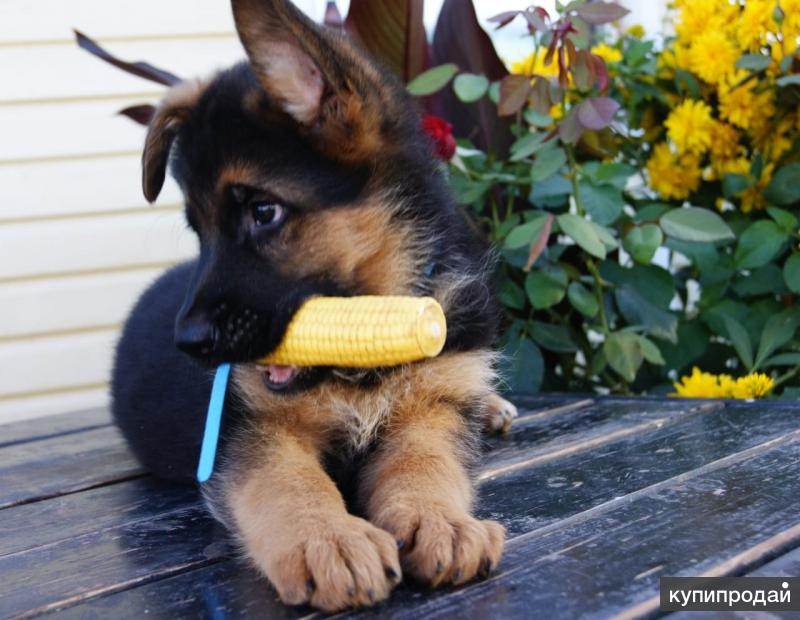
289	164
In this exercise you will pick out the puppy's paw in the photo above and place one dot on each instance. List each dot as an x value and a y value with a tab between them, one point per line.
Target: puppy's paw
340	564
440	545
499	414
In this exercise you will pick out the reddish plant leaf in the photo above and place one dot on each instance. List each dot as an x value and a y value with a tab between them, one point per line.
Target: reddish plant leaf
333	17
583	71
570	128
141	114
601	71
536	22
504	18
540	97
514	91
140	69
393	31
596	13
459	39
597	113
538	246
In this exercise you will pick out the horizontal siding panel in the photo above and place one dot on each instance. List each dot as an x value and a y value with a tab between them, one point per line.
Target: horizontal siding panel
55	363
63	247
26	20
26	308
23	20
58	129
76	187
50	404
65	71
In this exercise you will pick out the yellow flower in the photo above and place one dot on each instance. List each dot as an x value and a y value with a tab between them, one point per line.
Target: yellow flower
712	56
755	385
724	141
706	385
774	140
699	16
637	30
533	64
741	105
673	175
607	53
756	22
753	197
701	385
791	22
690	126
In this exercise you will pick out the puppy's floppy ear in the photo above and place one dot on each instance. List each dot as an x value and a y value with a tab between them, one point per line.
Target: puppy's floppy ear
161	132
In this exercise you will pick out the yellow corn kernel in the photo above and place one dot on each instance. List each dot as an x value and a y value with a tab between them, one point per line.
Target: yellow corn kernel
362	332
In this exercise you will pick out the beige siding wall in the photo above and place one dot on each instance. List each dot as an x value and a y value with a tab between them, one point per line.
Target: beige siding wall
77	241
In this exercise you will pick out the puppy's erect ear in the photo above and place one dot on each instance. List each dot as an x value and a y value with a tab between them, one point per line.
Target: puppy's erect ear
161	132
316	75
282	45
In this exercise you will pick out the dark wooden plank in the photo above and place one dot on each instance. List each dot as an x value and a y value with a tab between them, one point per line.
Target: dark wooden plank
59	465
51	426
109	560
43	523
584	428
533	498
554	488
607	561
593	563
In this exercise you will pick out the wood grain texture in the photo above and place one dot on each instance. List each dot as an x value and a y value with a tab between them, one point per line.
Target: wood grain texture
711	490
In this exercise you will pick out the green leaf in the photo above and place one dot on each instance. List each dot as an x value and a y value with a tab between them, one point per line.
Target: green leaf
610	173
553	337
651	351
741	341
759	244
582	233
653	283
788	80
547	164
583	300
527	145
606	236
638	310
791	273
511	294
432	80
642	242
546	286
779	330
767	280
523	235
470	87
604	203
537	120
623	350
733	184
784	219
521	365
784	189
651	212
783	359
695	224
754	62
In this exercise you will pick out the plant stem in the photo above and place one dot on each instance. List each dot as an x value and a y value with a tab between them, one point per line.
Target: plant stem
784	378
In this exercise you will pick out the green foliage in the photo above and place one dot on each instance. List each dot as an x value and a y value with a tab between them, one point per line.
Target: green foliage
607	286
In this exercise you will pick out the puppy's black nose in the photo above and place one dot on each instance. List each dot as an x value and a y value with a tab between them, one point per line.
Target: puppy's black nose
196	336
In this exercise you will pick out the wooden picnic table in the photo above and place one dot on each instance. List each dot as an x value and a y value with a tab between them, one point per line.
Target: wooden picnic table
601	497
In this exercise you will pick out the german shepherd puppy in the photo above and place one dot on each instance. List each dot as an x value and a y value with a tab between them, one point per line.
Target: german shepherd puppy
305	172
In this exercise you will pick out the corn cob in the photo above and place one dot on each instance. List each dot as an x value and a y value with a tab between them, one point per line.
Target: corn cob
362	332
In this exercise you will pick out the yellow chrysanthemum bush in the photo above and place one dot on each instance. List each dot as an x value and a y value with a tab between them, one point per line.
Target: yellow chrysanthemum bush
646	208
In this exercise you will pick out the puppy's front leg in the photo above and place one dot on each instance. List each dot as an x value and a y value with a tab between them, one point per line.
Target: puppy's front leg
417	487
296	529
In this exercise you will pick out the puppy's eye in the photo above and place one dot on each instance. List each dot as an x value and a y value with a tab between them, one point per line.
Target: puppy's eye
267	215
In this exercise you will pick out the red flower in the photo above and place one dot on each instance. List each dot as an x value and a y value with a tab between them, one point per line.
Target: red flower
441	132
